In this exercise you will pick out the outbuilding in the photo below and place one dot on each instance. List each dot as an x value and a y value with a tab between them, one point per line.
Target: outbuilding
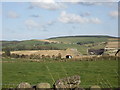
68	56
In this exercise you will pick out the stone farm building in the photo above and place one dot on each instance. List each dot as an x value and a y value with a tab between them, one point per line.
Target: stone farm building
112	48
68	53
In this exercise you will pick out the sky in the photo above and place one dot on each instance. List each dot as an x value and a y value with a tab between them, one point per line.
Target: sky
42	20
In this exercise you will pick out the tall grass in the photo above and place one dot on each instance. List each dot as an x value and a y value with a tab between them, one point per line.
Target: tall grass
100	72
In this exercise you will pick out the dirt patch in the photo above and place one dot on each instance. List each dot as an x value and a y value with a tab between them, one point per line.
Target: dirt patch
114	44
50	41
112	39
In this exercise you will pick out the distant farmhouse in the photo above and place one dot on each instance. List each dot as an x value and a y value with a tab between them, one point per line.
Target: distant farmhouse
68	53
113	48
96	51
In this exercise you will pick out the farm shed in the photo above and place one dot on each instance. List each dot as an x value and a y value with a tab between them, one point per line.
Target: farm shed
96	51
68	56
112	48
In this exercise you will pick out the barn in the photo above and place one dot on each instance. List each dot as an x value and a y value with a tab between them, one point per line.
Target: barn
96	51
113	48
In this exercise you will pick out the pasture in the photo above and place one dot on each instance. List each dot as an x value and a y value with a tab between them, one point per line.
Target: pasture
64	43
74	39
102	72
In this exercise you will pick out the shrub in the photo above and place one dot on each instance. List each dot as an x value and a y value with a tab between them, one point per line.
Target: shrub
53	56
47	56
7	52
43	56
15	55
59	55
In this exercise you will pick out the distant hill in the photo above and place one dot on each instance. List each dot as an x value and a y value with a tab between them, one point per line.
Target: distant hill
82	43
74	39
98	36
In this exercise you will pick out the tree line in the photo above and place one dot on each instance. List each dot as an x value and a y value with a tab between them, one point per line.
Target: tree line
7	53
88	42
17	48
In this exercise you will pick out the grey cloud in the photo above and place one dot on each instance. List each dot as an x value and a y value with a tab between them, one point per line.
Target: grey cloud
35	16
85	14
32	24
50	6
74	18
30	7
50	22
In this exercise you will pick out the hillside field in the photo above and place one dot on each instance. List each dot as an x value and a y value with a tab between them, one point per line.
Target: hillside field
74	39
81	43
100	72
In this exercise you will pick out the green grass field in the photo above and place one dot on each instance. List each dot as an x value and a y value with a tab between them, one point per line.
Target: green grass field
75	39
101	72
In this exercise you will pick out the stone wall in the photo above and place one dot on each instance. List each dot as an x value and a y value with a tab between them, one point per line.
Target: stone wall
67	83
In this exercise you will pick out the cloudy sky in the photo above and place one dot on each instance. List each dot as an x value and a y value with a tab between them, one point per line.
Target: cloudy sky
42	20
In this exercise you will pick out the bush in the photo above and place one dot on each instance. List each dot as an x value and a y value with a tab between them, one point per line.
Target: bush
7	52
47	56
43	56
53	56
59	56
15	55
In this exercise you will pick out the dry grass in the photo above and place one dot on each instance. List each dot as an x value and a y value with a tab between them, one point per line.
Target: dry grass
113	39
114	44
48	52
50	41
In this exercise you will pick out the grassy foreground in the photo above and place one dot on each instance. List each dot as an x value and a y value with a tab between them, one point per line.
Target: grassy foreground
102	72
